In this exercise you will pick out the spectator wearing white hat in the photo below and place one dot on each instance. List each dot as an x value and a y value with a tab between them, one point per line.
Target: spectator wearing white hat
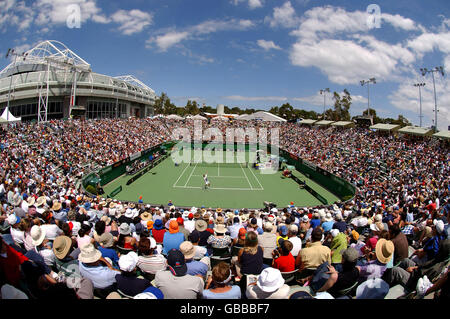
431	246
16	232
269	285
41	245
127	281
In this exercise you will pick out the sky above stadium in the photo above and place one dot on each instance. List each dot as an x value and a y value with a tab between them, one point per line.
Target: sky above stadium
254	53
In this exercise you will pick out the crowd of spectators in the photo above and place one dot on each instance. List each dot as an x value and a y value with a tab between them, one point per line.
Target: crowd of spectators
390	240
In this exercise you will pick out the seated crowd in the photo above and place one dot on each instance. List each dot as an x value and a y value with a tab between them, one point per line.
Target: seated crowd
390	241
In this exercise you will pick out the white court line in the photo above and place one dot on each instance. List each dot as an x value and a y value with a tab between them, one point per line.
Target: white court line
191	174
256	178
182	173
219	176
246	176
229	189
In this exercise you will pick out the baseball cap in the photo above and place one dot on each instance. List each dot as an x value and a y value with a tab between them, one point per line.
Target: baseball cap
176	262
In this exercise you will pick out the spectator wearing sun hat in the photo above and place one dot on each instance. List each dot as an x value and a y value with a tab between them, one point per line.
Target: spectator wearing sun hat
173	238
96	268
127	281
158	231
219	239
17	234
174	282
106	244
202	228
269	285
376	267
194	267
41	245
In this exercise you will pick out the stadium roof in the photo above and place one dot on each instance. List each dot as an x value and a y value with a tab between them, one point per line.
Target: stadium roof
385	127
309	122
443	134
343	123
415	130
324	122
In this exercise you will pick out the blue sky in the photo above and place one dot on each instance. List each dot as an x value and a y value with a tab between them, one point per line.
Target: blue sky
253	53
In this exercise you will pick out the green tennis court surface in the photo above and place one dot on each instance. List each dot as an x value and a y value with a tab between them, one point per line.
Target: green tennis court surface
231	186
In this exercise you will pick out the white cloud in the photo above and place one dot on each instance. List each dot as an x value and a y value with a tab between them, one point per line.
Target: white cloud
268	45
252	4
283	16
399	22
132	21
169	38
44	15
317	99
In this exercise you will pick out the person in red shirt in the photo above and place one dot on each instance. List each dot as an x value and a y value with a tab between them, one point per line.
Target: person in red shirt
158	231
282	257
10	262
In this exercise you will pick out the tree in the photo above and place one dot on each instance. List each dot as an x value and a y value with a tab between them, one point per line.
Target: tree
286	111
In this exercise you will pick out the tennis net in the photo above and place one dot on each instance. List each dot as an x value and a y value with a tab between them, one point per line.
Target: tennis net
205	164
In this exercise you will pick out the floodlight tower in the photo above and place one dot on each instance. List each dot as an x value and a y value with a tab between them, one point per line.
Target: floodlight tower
323	91
364	82
424	71
419	85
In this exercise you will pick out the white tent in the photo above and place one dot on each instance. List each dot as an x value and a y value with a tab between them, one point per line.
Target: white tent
198	117
8	117
263	116
220	118
174	117
243	117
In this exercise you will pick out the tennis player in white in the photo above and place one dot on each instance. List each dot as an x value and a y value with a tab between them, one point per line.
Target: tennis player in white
205	178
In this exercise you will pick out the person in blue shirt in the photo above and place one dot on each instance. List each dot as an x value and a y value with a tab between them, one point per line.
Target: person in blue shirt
106	241
218	284
315	221
194	267
173	238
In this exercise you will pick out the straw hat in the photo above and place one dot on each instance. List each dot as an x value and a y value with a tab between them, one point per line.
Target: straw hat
220	229
37	234
61	246
89	254
188	249
146	216
106	219
201	225
56	205
40	201
384	250
16	200
31	200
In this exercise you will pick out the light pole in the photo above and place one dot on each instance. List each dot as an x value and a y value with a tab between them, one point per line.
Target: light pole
15	54
364	82
323	93
424	71
419	85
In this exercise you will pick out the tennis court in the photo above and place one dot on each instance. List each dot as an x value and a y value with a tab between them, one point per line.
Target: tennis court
232	185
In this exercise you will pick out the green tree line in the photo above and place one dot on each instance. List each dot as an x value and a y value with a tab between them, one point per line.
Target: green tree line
340	111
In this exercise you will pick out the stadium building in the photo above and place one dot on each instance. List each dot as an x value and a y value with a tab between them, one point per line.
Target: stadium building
52	82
